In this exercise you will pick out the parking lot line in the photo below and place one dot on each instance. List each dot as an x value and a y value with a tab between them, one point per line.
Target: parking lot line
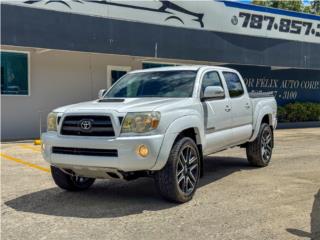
30	147
31	165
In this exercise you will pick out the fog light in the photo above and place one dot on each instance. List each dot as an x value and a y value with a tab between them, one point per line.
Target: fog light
142	150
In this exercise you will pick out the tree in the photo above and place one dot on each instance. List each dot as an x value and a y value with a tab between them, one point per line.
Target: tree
307	9
261	3
315	6
293	5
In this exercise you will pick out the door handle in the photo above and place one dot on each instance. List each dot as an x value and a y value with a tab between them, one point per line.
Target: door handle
228	108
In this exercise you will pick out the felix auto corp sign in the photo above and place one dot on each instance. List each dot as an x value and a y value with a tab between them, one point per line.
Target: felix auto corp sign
286	90
287	85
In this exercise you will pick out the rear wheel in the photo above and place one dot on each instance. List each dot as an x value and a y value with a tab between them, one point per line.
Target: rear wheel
259	151
178	180
69	182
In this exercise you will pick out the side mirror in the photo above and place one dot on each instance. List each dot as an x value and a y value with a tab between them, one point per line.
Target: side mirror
101	93
213	92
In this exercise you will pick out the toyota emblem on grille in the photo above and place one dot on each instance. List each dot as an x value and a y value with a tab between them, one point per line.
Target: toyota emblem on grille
86	125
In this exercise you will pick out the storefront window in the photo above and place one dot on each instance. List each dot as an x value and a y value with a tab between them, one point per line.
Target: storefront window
116	74
147	65
14	73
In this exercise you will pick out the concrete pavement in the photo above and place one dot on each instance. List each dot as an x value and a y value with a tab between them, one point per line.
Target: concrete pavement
233	201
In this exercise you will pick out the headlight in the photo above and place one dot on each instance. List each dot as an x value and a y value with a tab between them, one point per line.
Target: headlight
52	121
140	122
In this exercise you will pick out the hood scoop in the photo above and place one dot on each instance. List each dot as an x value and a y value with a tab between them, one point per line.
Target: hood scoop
111	100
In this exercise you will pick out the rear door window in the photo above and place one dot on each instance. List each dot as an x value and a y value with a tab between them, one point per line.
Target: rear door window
234	84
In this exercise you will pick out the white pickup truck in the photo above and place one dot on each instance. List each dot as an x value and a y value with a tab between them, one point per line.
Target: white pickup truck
159	123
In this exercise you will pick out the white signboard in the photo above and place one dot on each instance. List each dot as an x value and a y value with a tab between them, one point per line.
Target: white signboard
222	16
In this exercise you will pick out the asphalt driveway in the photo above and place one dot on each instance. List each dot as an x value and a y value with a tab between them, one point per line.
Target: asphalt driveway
234	200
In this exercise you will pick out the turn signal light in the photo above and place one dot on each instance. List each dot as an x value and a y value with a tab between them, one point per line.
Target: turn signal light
142	150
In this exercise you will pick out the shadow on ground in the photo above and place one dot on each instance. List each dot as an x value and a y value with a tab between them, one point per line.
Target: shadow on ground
111	198
315	222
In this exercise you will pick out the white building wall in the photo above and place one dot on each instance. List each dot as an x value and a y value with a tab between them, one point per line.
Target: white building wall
57	78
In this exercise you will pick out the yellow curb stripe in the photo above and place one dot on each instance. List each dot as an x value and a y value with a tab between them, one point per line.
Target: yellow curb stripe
31	165
30	147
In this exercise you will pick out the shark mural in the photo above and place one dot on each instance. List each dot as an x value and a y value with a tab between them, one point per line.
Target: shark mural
166	7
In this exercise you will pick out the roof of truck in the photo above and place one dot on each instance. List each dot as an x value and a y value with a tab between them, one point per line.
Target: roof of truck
183	67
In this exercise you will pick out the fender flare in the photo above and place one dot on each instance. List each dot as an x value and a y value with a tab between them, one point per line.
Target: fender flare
174	129
267	110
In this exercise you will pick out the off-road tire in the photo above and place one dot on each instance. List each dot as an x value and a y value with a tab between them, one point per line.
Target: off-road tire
69	182
166	179
254	150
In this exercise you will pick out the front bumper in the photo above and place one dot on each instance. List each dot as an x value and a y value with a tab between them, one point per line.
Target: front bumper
127	160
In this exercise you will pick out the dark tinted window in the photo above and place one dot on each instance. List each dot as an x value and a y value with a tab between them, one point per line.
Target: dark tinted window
177	84
210	79
234	84
147	65
14	73
116	75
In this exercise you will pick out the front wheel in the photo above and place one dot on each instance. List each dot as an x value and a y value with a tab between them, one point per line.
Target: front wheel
177	181
69	182
260	150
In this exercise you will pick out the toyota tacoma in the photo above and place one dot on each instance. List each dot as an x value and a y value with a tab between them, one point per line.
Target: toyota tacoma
159	123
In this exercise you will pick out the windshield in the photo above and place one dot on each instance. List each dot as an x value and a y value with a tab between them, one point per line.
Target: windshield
173	84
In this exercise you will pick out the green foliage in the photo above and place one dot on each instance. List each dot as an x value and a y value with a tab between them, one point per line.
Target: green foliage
288	5
299	112
282	114
261	3
293	5
307	9
315	6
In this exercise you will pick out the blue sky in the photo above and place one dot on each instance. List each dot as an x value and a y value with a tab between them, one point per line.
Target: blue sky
306	2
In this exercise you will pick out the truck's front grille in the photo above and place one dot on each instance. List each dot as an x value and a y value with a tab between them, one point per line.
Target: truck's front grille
100	126
85	151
